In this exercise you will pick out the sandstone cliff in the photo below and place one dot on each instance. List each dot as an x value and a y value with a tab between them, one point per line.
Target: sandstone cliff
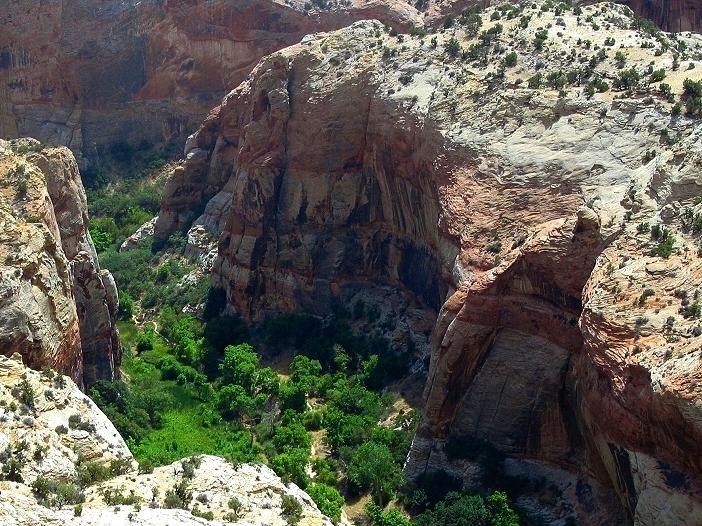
57	307
50	429
88	76
521	214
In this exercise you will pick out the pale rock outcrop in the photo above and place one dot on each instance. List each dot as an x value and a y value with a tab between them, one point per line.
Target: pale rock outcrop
357	160
43	424
257	489
58	307
142	234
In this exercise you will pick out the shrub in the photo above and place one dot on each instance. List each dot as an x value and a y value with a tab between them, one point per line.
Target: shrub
54	494
540	39
392	517
26	394
291	509
178	497
235	505
452	47
534	81
12	471
657	75
647	293
207	515
188	469
627	79
115	497
511	59
666	242
328	500
472	509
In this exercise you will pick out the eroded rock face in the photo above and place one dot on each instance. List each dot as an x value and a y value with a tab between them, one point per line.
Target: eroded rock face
38	416
513	211
88	76
58	308
673	15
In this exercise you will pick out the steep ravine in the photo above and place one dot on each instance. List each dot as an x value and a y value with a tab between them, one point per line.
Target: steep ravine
518	207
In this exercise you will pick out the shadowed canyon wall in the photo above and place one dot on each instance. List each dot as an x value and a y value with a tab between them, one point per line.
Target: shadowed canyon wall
670	15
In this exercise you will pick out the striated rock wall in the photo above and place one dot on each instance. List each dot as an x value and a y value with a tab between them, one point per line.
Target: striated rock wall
355	159
87	76
58	307
669	15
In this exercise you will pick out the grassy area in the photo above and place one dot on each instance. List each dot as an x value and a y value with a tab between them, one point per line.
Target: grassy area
184	433
188	426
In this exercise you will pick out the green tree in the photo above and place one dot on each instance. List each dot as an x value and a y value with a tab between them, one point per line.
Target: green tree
240	366
305	372
372	467
126	306
501	513
290	466
392	517
293	435
233	401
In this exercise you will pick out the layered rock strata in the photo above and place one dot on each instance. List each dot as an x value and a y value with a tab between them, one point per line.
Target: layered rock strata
58	308
90	76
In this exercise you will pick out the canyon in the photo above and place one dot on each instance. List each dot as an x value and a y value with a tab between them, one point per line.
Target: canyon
537	233
359	159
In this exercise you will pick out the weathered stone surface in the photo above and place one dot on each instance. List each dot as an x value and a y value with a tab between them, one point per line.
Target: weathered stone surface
58	307
140	237
512	212
56	399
